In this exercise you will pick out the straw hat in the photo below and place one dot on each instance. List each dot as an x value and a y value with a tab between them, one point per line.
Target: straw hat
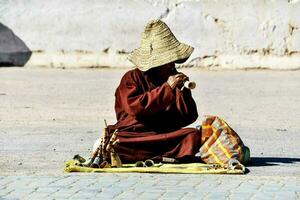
158	47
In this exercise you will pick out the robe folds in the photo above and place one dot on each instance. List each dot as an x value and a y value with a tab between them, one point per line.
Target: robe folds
150	120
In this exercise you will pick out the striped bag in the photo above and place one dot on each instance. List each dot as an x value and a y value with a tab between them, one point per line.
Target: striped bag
220	143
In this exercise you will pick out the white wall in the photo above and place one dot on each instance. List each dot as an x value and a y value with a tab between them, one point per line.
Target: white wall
225	34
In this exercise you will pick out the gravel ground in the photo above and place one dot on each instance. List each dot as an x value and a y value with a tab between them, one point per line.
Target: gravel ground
48	115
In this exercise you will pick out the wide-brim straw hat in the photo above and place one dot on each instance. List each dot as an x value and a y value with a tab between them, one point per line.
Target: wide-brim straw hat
159	46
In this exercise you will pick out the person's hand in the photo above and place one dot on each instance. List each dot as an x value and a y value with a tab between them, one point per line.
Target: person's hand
177	80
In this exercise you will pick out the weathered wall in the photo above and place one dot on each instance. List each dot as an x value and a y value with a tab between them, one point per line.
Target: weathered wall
225	34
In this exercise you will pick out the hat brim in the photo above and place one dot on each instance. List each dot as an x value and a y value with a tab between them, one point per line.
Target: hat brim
178	55
180	61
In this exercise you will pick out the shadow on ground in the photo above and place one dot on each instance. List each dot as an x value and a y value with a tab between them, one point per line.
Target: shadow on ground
271	161
13	50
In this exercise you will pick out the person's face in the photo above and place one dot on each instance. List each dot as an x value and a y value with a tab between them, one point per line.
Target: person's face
166	70
161	74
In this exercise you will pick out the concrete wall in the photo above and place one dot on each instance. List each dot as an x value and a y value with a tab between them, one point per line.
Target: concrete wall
94	33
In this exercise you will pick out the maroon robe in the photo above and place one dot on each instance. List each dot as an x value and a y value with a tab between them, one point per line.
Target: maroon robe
150	120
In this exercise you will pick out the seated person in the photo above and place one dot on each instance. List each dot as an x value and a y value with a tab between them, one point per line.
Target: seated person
151	104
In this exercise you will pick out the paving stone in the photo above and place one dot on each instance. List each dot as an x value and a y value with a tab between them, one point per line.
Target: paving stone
241	194
154	189
263	196
37	196
190	183
80	185
151	195
47	189
60	195
167	183
23	195
111	191
128	195
125	184
285	195
104	196
217	195
63	182
83	196
68	189
290	187
270	188
265	188
172	195
40	183
18	185
246	189
5	191
201	186
23	192
5	181
8	197
190	196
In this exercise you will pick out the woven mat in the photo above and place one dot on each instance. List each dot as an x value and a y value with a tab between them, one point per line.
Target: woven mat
191	168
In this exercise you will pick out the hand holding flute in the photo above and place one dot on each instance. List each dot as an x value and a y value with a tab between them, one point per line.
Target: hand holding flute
180	80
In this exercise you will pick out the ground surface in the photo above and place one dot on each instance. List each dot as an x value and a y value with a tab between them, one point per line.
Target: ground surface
47	116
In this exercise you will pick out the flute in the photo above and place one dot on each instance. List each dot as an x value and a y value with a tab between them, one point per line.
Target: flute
190	85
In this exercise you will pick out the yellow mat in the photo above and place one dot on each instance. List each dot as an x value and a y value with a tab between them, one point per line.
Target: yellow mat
192	168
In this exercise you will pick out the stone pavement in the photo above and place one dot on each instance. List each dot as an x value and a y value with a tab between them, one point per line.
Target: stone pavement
148	186
47	116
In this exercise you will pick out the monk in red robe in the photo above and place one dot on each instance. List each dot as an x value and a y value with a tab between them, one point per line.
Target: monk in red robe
151	104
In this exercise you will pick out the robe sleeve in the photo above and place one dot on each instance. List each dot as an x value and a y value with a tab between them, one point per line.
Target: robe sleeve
144	104
186	107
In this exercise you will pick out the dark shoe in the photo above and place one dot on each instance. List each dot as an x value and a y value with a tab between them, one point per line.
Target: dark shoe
149	163
140	164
